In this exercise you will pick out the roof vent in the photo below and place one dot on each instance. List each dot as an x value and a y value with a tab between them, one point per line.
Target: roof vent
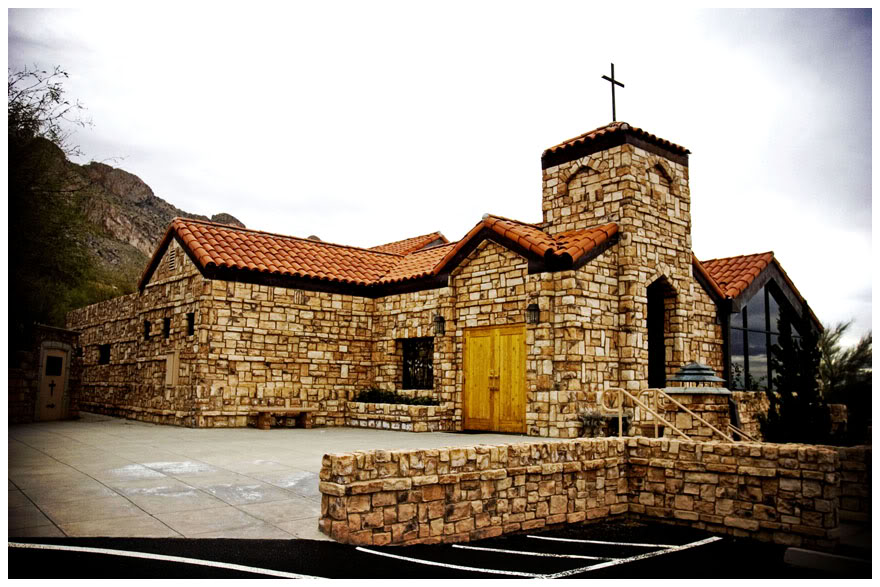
314	238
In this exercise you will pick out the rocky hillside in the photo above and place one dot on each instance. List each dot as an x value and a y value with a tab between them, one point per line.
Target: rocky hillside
125	221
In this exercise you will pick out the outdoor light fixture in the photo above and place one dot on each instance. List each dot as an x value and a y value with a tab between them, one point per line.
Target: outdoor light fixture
439	325
533	314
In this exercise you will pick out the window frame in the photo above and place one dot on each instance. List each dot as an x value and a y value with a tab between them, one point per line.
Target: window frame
747	327
417	363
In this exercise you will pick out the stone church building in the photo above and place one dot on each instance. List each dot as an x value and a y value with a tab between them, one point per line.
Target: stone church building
516	327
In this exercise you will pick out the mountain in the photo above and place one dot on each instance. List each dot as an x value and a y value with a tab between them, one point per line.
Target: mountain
124	221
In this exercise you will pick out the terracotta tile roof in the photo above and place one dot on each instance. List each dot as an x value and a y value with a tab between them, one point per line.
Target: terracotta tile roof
734	274
417	264
410	245
221	246
573	244
609	129
577	243
224	246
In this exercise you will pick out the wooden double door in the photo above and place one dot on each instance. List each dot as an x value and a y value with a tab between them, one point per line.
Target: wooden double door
495	378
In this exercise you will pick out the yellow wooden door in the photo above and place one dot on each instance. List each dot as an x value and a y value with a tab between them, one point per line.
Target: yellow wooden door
495	378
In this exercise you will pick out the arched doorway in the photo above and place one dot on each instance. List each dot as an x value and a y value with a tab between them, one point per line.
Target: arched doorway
661	303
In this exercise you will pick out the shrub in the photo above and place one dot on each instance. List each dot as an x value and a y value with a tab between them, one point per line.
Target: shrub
374	395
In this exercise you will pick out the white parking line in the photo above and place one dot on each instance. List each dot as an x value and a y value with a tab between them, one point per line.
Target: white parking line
448	566
603	542
162	557
523	552
622	561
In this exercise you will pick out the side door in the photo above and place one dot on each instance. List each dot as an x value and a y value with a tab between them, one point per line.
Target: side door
53	384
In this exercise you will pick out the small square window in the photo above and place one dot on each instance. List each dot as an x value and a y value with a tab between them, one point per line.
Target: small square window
166	327
54	366
104	354
418	363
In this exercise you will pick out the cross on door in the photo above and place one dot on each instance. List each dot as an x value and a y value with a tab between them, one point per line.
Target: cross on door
52	388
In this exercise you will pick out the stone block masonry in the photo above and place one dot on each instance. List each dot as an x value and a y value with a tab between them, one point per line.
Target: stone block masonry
855	483
787	494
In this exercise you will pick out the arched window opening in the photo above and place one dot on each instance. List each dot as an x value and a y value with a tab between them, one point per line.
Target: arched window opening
661	304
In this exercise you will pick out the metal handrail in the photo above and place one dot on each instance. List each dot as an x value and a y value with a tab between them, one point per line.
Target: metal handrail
698	417
741	433
619	410
657	394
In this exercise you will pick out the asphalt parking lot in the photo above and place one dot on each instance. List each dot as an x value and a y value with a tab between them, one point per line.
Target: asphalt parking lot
610	550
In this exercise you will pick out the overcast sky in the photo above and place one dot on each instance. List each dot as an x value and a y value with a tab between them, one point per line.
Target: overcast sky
369	122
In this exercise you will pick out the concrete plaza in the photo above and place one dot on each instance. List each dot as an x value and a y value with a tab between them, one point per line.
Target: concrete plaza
103	476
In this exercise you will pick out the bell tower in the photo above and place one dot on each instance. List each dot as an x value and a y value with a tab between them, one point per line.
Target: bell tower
620	173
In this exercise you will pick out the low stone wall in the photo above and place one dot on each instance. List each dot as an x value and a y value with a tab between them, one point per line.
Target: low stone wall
855	483
780	493
405	417
463	494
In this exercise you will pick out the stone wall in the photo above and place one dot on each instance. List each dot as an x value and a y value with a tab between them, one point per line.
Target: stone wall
713	408
649	197
751	405
407	418
786	494
153	368
252	345
462	494
855	483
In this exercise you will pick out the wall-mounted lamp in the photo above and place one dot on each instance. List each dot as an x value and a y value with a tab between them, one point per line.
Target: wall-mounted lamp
533	314
439	325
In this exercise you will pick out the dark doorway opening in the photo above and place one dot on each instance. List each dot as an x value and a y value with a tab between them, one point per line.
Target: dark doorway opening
661	298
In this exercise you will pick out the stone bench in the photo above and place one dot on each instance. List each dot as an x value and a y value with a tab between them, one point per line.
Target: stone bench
264	416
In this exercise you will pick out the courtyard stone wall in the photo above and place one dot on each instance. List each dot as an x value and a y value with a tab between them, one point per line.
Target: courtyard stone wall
787	494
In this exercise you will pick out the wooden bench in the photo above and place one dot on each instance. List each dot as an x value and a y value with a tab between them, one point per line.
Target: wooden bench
264	416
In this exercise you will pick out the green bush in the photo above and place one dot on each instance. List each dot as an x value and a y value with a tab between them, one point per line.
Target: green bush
374	395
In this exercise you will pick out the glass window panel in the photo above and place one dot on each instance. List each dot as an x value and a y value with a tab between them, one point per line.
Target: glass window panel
737	360
773	313
755	312
774	340
418	363
53	366
758	367
736	320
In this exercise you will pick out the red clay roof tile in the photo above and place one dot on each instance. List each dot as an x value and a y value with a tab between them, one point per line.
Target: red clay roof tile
614	127
409	245
530	237
734	274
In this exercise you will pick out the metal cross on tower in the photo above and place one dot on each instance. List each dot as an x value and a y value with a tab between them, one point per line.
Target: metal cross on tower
614	82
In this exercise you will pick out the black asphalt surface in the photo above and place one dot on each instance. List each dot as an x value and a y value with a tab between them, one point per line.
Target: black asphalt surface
510	557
